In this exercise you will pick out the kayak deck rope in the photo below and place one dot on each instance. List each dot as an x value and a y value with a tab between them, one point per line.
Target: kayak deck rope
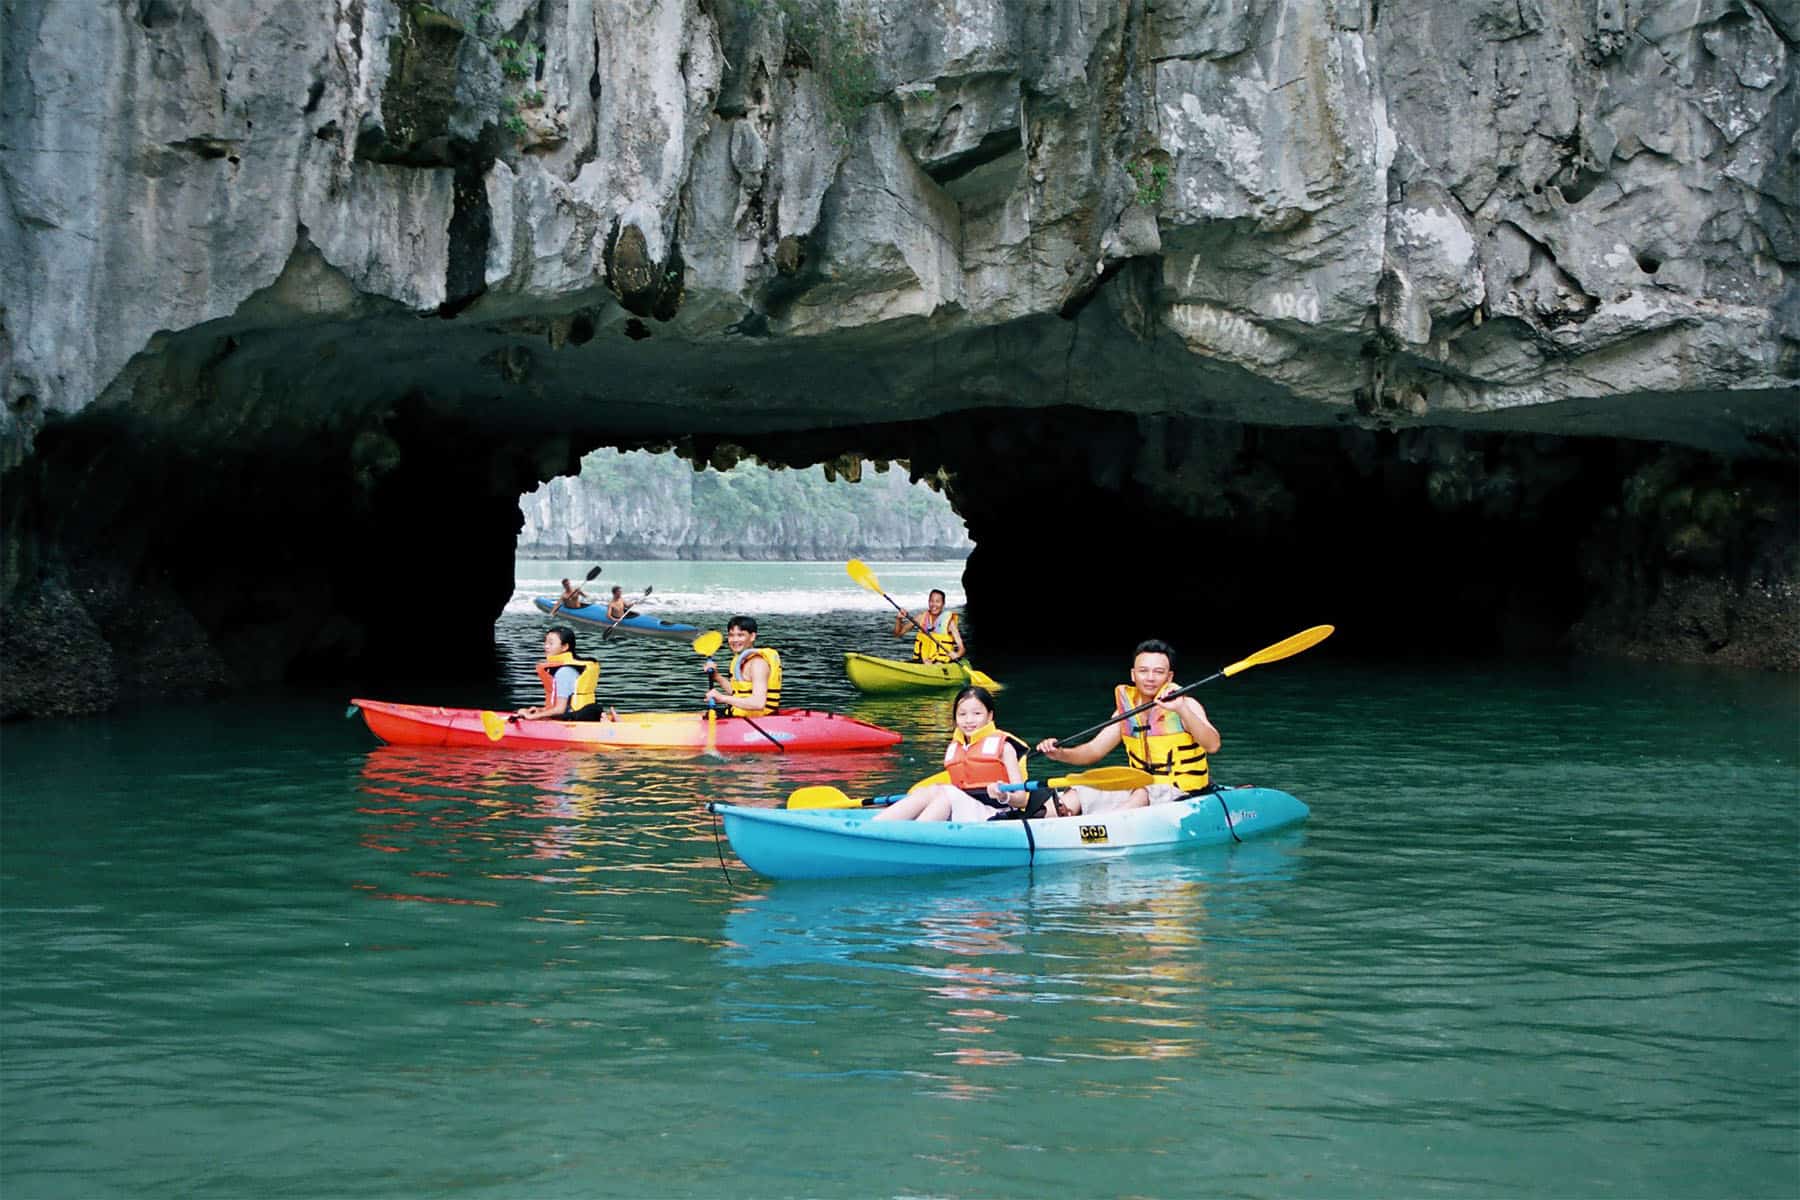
719	846
1230	826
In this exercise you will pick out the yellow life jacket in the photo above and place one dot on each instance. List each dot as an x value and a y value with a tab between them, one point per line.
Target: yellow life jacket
587	684
1155	741
741	685
942	648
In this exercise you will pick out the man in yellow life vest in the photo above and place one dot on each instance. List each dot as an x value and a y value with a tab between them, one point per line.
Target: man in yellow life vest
1171	740
571	683
936	635
755	677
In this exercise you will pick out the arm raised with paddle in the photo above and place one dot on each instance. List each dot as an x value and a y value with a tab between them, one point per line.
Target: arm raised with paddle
573	596
625	611
1174	750
859	571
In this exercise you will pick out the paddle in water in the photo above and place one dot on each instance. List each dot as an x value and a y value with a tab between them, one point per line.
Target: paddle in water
606	634
705	645
1108	778
865	578
588	578
1286	648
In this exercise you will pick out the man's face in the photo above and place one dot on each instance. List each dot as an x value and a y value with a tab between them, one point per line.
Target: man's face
739	640
1149	672
934	604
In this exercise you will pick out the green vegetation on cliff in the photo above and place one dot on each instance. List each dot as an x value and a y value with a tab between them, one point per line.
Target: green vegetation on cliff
646	505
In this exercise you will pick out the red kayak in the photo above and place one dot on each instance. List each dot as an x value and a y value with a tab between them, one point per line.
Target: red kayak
794	729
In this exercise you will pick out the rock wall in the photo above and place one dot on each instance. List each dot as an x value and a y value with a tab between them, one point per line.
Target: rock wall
348	277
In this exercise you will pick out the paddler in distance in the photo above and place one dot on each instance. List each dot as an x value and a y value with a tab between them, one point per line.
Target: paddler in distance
755	676
937	637
572	597
1171	741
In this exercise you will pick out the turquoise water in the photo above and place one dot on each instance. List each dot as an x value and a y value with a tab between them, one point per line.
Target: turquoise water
1541	937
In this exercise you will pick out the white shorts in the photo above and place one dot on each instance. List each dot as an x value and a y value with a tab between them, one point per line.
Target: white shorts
1094	800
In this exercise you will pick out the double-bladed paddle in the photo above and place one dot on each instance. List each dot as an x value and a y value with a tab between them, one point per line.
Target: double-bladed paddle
705	645
859	571
606	634
1286	648
1106	778
588	578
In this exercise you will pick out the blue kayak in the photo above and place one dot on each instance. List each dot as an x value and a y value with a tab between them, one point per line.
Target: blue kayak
841	843
595	614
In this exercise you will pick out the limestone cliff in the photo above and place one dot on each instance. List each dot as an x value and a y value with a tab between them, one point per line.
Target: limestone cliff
646	506
331	284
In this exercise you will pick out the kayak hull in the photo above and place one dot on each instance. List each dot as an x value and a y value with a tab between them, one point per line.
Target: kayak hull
595	614
795	730
882	675
849	843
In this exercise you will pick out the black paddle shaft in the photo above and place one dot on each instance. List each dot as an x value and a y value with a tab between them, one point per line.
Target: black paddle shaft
1132	712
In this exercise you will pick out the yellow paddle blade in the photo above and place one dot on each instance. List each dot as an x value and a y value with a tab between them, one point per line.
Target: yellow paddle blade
1283	649
707	642
859	571
821	796
1116	779
982	679
931	781
494	725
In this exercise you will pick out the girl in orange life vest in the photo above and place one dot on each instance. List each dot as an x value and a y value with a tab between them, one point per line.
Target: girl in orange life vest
1171	741
978	760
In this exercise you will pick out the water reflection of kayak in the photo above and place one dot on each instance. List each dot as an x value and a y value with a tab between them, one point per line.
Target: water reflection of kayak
867	922
595	614
845	843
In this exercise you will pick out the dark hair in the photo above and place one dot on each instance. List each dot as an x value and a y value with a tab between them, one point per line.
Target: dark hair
1155	646
747	624
567	635
618	589
936	592
980	693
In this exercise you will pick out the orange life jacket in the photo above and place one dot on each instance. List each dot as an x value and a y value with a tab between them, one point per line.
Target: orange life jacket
973	763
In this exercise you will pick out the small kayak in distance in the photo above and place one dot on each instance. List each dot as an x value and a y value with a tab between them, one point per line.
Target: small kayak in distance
595	614
840	843
795	729
870	674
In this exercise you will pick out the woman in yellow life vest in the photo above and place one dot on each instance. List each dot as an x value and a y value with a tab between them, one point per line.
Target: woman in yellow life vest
755	678
1171	741
936	635
571	683
979	758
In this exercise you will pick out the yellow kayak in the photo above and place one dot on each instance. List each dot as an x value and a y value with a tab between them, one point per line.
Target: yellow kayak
871	674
